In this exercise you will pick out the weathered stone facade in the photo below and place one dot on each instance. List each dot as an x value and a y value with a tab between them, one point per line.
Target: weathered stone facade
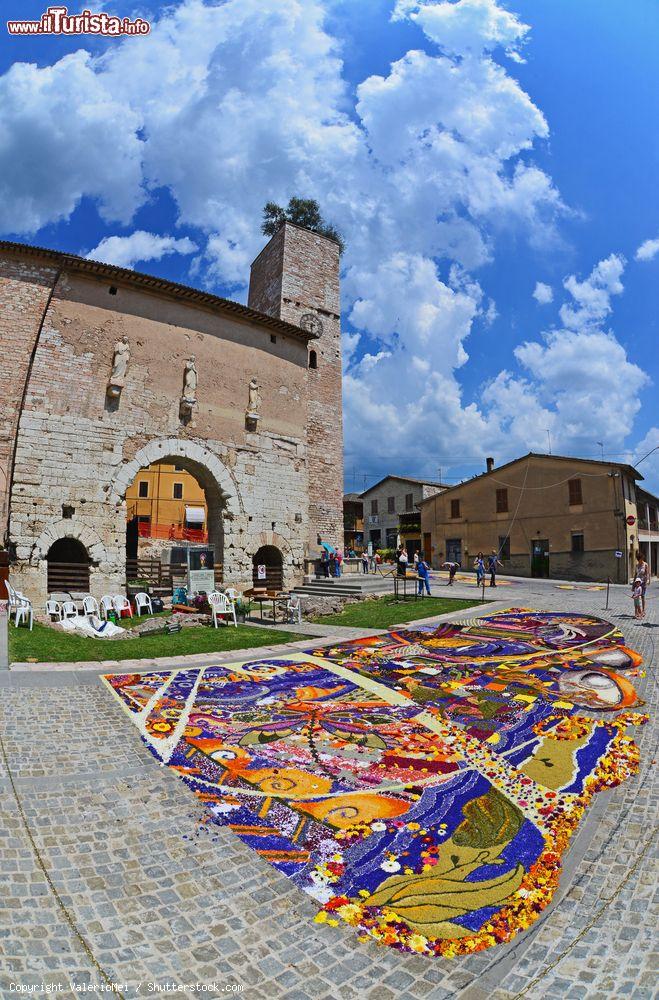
296	279
78	448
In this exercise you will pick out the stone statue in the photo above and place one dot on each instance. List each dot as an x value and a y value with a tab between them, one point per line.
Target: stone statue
254	405
190	381
120	361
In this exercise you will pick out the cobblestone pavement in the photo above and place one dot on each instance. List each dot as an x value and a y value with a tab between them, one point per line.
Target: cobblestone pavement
116	881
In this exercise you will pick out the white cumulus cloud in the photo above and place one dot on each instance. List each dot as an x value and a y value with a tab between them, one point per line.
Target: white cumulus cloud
421	167
543	294
648	250
126	251
64	135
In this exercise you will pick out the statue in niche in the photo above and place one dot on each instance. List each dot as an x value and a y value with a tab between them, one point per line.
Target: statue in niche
189	397
253	412
254	405
190	381
120	360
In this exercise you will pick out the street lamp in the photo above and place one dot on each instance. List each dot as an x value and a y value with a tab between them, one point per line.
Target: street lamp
652	450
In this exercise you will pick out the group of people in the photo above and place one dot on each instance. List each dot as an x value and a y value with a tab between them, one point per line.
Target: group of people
331	562
371	562
489	565
639	586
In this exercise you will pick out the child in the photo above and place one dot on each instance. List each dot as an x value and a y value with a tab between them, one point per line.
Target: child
637	594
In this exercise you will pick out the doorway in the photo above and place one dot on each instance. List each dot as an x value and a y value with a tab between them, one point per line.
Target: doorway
268	568
454	550
68	567
540	557
427	546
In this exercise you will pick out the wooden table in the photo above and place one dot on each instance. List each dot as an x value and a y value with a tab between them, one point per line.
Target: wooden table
262	599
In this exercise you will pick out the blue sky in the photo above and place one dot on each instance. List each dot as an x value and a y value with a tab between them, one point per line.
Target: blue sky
468	150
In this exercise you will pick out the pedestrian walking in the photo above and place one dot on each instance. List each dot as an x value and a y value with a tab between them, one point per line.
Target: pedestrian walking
479	566
332	563
416	559
377	559
365	562
402	561
637	596
642	573
423	573
452	568
339	562
492	562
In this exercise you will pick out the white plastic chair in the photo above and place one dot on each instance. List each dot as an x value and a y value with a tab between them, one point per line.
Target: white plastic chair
143	600
54	610
24	611
20	605
121	603
107	604
221	605
90	606
294	608
69	609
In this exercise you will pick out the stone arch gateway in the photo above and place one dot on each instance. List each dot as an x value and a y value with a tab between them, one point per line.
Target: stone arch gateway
99	386
225	507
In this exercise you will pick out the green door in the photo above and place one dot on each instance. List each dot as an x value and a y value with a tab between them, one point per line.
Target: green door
540	557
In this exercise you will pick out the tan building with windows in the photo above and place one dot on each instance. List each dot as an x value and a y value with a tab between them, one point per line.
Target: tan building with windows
165	503
391	511
546	515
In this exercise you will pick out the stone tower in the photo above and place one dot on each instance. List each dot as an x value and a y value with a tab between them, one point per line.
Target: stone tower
296	278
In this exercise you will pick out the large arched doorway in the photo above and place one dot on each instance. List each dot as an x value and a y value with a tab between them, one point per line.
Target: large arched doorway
268	568
222	506
68	567
172	505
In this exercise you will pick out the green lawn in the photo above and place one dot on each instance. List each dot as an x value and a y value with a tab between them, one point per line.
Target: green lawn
52	646
382	612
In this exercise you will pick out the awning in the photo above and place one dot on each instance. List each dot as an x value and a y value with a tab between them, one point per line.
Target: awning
195	515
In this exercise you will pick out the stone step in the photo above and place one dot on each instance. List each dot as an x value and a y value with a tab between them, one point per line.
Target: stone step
326	591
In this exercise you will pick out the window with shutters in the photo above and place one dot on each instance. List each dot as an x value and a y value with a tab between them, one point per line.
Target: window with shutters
178	491
391	505
455	508
409	501
575	495
143	488
374	506
502	501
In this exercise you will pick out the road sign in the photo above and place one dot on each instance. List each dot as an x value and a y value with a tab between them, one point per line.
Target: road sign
618	555
631	520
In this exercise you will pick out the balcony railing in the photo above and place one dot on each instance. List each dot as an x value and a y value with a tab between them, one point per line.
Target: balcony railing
173	532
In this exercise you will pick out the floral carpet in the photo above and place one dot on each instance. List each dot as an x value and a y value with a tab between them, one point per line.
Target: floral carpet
420	785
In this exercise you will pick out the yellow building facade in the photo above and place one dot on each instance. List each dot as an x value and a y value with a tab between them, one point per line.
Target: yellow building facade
165	500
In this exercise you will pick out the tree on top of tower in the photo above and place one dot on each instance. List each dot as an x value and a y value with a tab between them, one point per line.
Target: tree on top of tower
304	212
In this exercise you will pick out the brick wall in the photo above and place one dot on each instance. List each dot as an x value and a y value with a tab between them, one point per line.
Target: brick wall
24	290
295	275
76	450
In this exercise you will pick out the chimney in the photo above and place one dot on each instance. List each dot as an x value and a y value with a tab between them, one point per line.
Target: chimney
489	462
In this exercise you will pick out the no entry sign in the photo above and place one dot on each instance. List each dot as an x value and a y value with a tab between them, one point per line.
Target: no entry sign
631	519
